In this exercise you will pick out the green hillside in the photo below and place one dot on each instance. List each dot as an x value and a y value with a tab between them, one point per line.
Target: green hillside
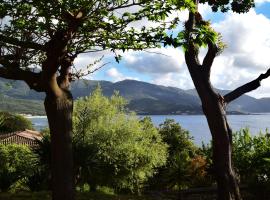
34	107
144	98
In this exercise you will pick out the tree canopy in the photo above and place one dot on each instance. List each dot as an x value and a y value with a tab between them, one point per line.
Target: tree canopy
33	31
13	122
112	147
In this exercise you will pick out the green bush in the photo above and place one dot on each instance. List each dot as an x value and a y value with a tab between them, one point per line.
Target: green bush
184	167
16	163
113	147
41	175
251	161
13	122
251	157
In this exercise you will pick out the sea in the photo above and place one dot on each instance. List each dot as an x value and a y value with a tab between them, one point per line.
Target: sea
195	124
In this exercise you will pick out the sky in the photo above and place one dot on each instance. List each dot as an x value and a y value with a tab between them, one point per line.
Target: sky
247	55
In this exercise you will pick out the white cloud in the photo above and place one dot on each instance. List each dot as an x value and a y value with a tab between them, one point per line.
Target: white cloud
261	1
115	75
83	60
204	9
155	61
248	39
180	80
247	55
165	66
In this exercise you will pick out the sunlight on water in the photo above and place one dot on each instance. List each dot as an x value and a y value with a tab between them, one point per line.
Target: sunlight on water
196	124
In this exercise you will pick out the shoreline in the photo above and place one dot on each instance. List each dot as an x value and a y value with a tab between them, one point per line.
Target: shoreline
229	114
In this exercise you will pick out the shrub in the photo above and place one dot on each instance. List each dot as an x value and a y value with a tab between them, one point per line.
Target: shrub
113	147
251	161
13	122
16	163
184	167
40	177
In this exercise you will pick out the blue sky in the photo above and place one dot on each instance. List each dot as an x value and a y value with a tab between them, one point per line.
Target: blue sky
248	48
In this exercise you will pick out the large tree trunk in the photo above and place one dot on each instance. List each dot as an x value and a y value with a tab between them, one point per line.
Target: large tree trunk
59	112
227	183
214	109
213	106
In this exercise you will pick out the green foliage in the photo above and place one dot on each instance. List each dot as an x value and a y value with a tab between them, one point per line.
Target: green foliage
112	147
226	5
201	35
102	25
13	122
16	163
80	196
198	32
180	170
176	137
251	155
40	177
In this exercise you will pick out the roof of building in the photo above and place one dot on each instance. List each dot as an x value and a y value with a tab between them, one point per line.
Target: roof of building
27	137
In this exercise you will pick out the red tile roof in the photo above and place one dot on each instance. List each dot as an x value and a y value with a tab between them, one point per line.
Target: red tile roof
26	137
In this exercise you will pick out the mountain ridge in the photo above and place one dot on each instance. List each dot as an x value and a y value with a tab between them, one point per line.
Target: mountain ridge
143	98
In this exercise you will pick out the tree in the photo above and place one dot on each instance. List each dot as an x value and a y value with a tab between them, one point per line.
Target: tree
250	160
13	122
174	175
198	33
39	40
185	167
113	147
16	163
40	179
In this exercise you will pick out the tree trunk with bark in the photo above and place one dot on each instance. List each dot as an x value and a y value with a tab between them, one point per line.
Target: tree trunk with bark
215	113
214	108
59	113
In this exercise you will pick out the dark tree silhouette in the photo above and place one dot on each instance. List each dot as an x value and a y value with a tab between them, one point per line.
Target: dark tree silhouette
213	103
39	40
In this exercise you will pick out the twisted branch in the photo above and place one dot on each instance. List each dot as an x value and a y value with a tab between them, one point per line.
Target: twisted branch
246	88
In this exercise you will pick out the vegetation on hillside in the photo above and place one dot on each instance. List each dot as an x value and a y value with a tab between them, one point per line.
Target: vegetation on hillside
142	97
17	162
13	122
115	149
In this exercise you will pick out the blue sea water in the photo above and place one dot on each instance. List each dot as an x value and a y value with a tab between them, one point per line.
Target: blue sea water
195	124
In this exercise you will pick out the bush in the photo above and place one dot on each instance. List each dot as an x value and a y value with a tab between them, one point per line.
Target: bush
184	167
13	122
16	163
41	175
251	161
112	147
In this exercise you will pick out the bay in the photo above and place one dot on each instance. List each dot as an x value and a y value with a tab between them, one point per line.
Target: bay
198	127
195	124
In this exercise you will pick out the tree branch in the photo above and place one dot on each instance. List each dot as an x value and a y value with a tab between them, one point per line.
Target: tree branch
65	75
246	88
191	54
210	56
24	44
124	6
31	78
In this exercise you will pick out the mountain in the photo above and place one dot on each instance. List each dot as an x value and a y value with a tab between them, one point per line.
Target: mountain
241	104
260	106
143	98
146	98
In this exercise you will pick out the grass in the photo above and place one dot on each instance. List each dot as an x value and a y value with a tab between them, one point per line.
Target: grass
79	196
